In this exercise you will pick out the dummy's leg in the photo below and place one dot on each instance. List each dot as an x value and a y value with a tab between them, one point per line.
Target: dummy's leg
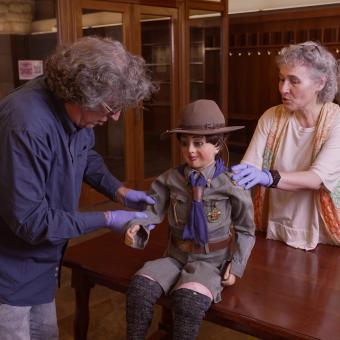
141	296
189	310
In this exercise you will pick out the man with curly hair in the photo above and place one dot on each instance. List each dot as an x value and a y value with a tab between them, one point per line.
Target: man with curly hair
46	152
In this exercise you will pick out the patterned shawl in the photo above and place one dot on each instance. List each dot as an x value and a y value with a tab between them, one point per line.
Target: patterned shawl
328	204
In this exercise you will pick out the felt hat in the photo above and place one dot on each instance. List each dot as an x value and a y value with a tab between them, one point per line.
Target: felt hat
202	117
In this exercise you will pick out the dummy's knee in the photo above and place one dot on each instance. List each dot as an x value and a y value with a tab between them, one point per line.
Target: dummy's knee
141	286
191	303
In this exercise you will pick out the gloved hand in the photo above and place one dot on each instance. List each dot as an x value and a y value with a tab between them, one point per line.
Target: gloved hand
247	176
117	219
151	226
137	199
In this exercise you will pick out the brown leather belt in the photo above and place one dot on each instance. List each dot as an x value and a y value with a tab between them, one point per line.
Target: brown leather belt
189	246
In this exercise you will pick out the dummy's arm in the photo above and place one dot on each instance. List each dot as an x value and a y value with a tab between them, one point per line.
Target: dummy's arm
138	230
228	278
130	235
242	216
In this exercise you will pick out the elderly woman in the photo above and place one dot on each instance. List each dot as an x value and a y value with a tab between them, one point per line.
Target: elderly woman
294	154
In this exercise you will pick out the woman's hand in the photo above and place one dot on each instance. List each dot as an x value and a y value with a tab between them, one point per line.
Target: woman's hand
130	235
228	278
247	176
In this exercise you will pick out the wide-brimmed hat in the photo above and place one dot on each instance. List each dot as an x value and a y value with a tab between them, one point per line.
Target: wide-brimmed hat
202	117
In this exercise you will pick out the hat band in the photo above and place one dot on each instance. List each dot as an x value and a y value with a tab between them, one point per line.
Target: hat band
202	127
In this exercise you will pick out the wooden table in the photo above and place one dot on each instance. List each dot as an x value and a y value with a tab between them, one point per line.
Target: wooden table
285	293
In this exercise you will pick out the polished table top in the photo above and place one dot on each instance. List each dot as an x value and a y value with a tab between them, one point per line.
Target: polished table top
284	293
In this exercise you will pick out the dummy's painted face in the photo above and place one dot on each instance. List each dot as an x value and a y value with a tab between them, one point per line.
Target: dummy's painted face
196	152
84	118
298	88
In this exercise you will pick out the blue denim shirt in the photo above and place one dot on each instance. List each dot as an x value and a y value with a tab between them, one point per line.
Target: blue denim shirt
43	160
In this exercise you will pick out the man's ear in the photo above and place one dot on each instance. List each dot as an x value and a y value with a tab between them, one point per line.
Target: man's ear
217	149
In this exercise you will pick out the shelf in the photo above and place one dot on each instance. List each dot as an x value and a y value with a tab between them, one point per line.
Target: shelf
158	104
212	49
157	64
155	45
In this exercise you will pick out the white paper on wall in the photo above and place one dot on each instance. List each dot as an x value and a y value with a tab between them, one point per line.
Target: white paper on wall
30	69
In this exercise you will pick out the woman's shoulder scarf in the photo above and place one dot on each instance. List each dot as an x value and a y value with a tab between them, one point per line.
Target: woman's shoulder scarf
328	203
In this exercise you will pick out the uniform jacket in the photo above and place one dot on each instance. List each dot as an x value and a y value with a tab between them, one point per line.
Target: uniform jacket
172	194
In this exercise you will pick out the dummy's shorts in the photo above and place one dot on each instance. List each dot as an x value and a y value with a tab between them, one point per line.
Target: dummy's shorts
170	273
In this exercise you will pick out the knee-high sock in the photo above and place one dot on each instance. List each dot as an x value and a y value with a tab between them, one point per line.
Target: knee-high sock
141	296
189	310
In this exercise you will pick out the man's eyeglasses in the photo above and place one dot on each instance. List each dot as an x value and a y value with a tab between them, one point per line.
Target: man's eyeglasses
109	110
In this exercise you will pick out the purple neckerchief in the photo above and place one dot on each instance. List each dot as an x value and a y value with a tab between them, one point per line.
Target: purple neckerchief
196	229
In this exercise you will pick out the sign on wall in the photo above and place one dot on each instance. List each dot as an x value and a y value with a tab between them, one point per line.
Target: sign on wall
30	69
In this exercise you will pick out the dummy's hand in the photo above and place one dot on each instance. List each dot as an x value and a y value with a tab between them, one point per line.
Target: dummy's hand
228	278
134	199
248	176
117	219
130	234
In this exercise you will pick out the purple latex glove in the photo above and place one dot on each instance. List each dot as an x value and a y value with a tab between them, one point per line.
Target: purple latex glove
151	226
247	176
137	200
116	220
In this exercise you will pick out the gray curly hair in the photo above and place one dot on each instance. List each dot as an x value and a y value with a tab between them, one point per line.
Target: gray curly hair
94	70
319	60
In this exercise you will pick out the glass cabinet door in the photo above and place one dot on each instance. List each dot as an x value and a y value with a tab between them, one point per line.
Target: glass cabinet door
205	55
156	50
157	32
110	136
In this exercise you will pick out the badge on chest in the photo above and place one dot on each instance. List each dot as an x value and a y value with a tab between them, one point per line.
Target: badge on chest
214	213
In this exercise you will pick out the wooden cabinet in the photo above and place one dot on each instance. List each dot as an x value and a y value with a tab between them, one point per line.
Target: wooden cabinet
161	33
183	55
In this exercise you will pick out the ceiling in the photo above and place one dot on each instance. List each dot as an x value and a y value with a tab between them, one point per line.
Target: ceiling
239	6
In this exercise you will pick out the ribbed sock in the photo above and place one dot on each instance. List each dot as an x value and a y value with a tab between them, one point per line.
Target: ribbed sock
189	310
141	296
